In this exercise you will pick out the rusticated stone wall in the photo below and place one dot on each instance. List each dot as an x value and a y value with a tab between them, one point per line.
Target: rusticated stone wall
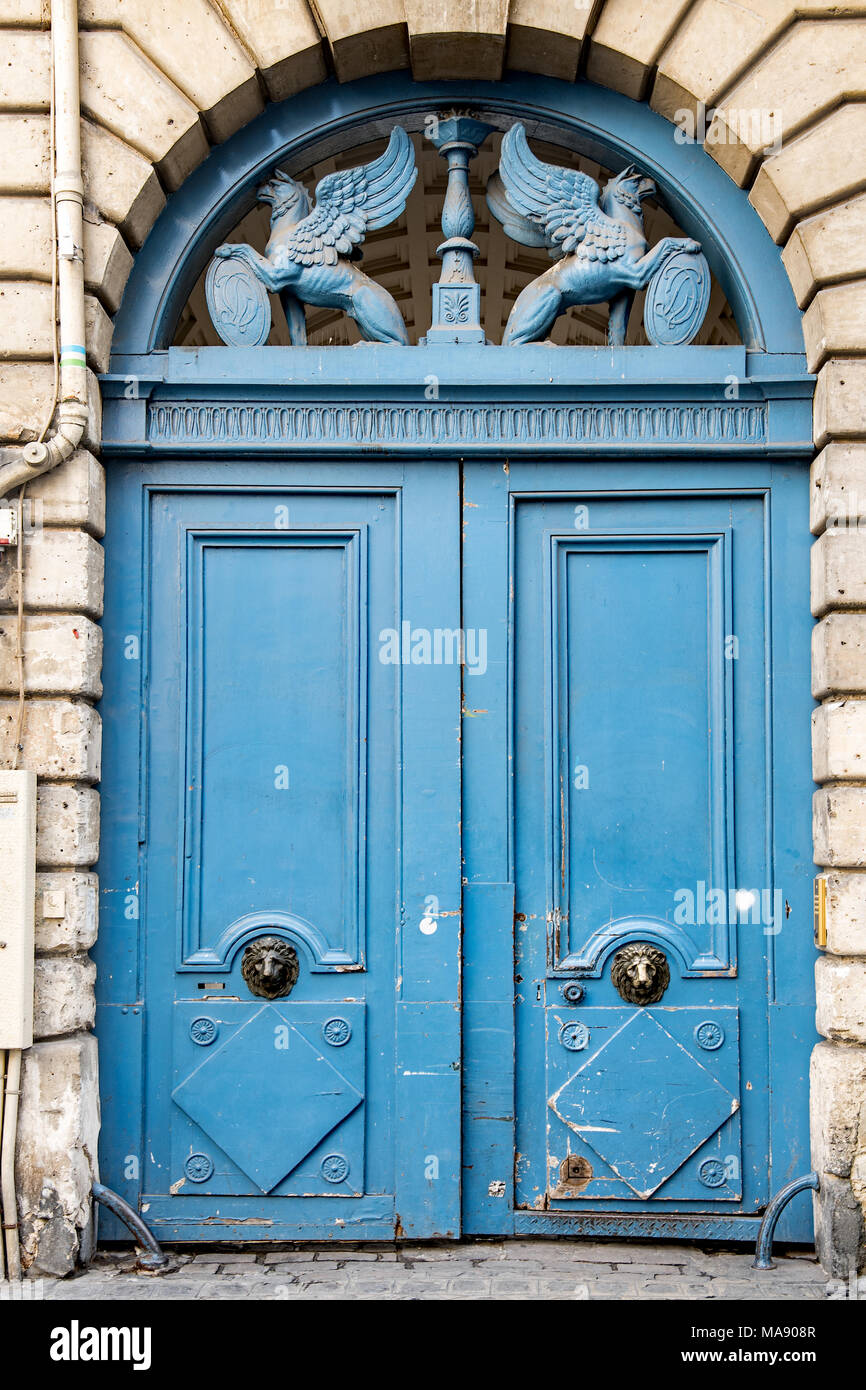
163	81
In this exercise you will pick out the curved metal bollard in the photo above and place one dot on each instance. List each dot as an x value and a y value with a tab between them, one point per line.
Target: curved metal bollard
152	1256
764	1243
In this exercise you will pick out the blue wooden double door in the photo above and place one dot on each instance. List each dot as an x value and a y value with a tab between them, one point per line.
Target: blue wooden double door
455	867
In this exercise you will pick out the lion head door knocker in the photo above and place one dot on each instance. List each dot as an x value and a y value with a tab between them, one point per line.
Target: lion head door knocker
640	973
270	967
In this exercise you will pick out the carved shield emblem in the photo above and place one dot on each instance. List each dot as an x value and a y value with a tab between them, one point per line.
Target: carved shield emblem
676	301
238	303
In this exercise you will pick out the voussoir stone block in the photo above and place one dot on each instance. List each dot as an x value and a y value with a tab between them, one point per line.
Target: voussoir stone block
285	42
835	323
547	37
813	65
448	39
107	262
359	47
846	913
627	40
839	741
62	655
121	183
840	982
61	738
67	911
122	90
57	1139
829	246
823	165
63	998
713	44
838	818
839	397
839	655
62	570
67	826
191	45
838	487
719	40
839	570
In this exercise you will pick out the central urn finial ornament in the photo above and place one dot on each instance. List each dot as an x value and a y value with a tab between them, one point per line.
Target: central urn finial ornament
456	295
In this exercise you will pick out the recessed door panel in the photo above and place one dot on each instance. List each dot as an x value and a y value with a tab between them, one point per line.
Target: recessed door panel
270	1098
642	1100
640	683
277	677
641	844
284	828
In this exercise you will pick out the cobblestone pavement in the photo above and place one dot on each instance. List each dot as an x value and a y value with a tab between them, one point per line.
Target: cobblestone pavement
518	1269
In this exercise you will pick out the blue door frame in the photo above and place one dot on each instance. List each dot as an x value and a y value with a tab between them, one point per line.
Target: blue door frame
695	426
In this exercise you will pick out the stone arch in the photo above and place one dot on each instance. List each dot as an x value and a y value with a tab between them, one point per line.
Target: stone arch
161	87
600	121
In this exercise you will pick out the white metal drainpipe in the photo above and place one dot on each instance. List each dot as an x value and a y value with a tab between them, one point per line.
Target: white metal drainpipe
68	192
40	457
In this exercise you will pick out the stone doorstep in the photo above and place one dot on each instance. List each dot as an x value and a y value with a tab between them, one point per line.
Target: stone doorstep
226	1257
526	1259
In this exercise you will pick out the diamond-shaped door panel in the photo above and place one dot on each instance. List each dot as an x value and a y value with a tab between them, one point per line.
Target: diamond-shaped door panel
266	1086
644	1092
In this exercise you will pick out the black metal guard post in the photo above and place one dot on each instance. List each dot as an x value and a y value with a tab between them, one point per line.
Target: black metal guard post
764	1243
152	1256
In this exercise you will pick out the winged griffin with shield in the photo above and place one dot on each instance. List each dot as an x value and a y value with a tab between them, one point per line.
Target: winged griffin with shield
311	253
597	238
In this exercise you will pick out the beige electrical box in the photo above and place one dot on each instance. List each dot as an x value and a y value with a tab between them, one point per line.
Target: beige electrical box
17	897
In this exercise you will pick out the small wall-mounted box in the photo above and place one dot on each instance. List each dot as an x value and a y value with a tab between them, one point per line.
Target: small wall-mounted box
17	899
8	526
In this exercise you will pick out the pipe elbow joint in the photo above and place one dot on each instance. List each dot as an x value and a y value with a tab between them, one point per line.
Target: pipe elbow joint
36	456
42	456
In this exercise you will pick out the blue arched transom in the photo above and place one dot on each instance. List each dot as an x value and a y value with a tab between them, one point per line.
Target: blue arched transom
606	125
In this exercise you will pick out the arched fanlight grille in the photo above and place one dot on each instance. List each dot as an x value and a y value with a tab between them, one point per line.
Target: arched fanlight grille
402	257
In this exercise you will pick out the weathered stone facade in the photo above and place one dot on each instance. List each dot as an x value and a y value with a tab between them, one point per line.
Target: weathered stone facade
161	84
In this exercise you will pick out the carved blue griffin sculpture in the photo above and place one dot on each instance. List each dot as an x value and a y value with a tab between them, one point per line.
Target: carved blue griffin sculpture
310	252
598	238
